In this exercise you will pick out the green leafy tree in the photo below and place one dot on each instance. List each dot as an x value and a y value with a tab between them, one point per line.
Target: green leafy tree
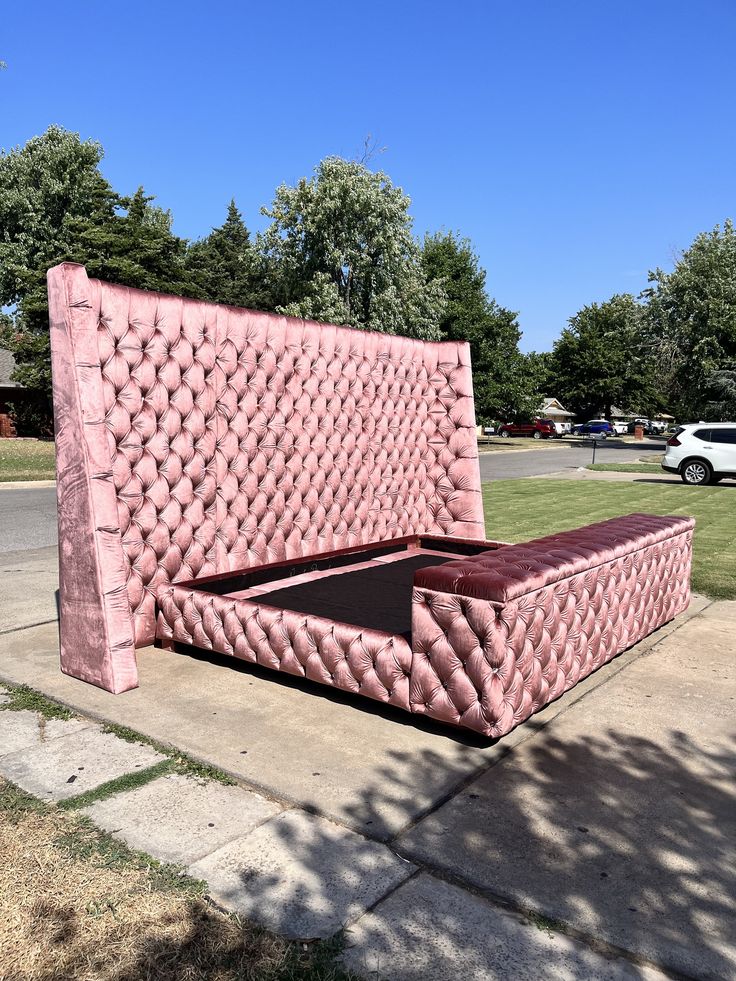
340	248
602	359
539	368
49	183
55	205
691	318
505	387
228	268
720	390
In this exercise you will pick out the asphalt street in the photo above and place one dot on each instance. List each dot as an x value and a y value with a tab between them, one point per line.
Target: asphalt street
28	561
561	455
27	518
28	515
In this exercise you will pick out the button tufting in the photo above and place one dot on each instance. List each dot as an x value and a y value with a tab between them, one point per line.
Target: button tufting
234	443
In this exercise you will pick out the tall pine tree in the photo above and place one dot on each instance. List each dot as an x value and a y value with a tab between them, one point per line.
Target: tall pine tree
505	387
227	267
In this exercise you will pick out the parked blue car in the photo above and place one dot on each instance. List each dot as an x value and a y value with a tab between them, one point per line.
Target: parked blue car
599	428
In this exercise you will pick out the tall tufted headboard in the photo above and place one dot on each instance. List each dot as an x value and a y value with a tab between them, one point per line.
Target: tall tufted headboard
194	438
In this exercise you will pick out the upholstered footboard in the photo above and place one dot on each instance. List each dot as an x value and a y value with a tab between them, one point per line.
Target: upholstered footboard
497	636
355	659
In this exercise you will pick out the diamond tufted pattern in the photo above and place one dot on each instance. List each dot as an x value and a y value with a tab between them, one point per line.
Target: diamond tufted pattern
497	636
205	438
507	573
367	662
570	603
194	439
330	437
158	357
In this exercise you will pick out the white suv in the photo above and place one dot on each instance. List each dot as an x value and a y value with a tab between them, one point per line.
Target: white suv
702	453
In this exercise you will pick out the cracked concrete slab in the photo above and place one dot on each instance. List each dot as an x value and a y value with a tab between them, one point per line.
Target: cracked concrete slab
301	875
429	930
70	765
25	730
621	818
181	818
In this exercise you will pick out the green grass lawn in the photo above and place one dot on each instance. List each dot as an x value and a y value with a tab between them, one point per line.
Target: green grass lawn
517	510
626	467
27	459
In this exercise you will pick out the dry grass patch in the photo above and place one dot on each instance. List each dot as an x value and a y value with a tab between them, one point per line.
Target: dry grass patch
77	905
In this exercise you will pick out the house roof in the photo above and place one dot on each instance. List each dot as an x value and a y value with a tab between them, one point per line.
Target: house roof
7	366
616	412
553	406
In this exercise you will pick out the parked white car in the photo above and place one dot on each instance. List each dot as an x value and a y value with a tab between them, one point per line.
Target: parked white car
620	428
702	453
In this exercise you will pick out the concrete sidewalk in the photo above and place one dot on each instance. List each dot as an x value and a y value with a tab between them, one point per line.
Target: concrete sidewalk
30	580
610	815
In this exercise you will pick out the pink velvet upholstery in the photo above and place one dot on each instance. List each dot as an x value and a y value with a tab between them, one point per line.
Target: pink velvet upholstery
497	636
350	657
515	570
96	631
195	438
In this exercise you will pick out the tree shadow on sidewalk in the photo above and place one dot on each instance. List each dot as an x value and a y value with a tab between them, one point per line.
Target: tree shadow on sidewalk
622	838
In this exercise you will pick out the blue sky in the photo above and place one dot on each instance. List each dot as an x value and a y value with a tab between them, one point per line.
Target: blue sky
577	144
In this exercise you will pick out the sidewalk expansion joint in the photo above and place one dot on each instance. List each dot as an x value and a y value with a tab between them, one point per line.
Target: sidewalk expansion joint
553	925
131	780
352	920
27	626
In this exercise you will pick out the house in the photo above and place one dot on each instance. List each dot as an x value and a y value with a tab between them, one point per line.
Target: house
660	420
554	409
9	392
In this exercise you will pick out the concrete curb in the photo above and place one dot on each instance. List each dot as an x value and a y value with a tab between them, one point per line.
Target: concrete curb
606	476
24	484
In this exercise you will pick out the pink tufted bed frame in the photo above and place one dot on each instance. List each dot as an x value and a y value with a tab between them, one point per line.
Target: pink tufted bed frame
307	497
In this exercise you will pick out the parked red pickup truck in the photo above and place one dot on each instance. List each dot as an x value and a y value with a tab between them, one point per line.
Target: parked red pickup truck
539	429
